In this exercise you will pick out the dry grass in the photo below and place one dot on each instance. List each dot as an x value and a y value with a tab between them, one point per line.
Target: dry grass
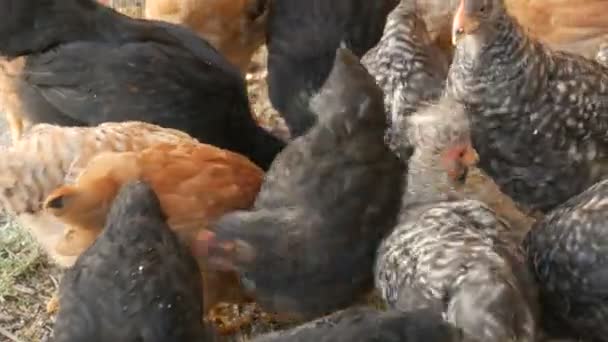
27	281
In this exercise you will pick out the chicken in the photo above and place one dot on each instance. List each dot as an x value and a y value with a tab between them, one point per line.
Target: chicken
49	155
537	114
371	325
84	64
602	55
302	40
576	27
236	28
408	67
567	251
307	246
452	254
195	183
135	283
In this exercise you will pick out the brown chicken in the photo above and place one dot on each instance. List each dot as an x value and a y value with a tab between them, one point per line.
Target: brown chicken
47	155
196	184
574	26
236	28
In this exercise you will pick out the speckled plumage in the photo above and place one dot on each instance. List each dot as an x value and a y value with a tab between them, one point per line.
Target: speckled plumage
454	255
371	325
407	66
325	204
568	251
135	283
538	116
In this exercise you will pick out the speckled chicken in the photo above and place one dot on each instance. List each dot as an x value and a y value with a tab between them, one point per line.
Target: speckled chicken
135	283
302	40
568	252
409	68
236	28
79	63
47	156
196	184
307	247
370	325
452	254
538	116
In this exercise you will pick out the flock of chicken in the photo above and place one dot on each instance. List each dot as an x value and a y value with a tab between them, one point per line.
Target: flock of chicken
139	168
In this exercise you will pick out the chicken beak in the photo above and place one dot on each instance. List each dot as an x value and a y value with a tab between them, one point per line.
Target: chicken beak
463	24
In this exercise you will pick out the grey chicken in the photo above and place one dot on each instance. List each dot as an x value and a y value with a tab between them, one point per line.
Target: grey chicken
568	251
307	247
452	254
370	325
407	65
538	116
302	39
135	283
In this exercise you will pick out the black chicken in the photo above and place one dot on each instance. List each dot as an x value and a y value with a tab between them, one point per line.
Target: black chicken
538	116
568	251
450	254
302	39
308	246
135	283
407	65
77	63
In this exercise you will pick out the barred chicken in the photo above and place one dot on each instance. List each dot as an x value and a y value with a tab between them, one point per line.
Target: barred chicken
451	254
307	247
195	183
302	40
80	63
407	65
47	156
567	251
135	283
370	325
537	115
236	28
